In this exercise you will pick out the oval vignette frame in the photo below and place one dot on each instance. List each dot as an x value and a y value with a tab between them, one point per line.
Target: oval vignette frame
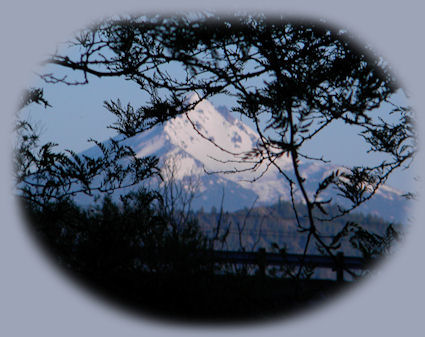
362	289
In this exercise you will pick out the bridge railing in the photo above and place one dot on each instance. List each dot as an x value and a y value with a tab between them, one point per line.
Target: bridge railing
337	263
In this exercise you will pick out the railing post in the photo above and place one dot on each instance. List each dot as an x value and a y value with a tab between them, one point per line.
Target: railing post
339	267
261	260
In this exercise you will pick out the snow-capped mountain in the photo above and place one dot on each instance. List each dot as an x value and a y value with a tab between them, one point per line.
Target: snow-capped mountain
207	167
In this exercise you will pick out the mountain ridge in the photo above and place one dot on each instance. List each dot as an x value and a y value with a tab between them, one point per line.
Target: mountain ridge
196	157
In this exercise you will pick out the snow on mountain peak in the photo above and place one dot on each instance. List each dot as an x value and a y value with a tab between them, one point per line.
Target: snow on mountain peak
202	128
195	142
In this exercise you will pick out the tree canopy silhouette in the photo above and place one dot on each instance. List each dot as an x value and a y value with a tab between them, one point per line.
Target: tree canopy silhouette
292	79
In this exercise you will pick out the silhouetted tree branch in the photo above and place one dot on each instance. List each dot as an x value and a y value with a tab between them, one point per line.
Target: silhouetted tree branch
293	79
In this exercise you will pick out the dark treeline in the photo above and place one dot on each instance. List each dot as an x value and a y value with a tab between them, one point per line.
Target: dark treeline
133	234
136	254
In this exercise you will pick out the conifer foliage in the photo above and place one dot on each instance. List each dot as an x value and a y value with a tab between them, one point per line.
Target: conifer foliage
292	79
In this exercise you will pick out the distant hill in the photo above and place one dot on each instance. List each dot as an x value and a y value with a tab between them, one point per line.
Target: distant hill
276	226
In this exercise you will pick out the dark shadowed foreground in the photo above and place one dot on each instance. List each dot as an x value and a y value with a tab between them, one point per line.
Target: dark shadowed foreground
137	258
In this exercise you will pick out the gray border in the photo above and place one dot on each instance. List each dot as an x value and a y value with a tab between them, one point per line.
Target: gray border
36	301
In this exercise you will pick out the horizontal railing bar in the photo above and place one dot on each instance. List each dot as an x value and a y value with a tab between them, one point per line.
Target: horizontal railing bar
286	259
